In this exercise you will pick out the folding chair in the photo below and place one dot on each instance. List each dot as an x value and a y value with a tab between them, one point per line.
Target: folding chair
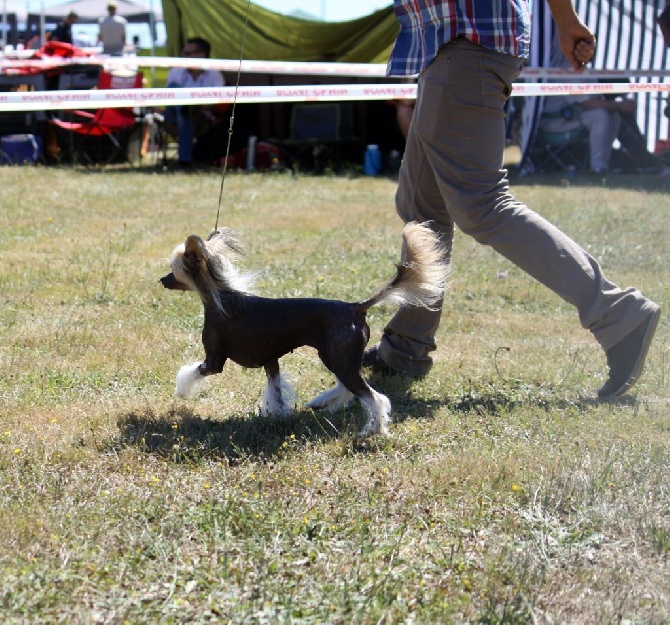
102	136
561	142
567	150
317	134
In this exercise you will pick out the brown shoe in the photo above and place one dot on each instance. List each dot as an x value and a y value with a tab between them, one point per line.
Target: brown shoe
626	359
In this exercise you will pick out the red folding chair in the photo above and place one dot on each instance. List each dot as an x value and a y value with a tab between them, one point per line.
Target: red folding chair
102	136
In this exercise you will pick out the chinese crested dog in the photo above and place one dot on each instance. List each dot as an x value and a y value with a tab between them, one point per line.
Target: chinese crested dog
257	331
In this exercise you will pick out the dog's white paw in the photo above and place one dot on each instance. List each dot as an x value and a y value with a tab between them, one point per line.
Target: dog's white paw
332	399
378	407
189	381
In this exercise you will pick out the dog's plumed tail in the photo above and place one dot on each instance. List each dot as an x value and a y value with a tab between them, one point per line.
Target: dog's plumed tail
421	276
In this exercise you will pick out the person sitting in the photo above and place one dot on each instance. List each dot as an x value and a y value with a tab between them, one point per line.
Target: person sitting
633	153
112	33
187	123
599	116
63	32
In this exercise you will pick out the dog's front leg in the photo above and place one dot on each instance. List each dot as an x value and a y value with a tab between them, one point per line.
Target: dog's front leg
190	378
212	365
279	396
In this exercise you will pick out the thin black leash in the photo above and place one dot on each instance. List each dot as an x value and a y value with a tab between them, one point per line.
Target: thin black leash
232	114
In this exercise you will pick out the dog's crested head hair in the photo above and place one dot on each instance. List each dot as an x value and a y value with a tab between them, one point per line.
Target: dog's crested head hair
207	267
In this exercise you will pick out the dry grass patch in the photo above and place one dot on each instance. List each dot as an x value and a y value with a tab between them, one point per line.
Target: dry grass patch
505	493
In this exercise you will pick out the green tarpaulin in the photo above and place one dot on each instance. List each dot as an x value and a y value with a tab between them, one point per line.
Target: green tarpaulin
274	37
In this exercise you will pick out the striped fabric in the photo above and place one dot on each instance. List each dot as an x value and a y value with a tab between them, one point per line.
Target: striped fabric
628	38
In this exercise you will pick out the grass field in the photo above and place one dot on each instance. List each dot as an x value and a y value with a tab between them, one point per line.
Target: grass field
504	494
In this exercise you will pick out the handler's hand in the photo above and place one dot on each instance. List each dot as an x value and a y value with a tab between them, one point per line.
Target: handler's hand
578	45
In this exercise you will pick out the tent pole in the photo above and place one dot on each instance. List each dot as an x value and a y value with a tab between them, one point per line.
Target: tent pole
152	28
42	26
4	24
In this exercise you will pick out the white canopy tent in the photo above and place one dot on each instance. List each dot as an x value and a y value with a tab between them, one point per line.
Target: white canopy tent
13	11
34	14
92	10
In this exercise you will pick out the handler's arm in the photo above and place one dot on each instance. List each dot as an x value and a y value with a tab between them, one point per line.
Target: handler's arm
577	42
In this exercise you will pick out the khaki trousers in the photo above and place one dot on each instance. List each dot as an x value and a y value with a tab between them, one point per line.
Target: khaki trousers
452	173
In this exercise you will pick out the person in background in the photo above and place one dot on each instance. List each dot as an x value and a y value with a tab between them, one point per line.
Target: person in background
63	32
112	31
600	117
603	118
606	118
188	123
633	154
467	56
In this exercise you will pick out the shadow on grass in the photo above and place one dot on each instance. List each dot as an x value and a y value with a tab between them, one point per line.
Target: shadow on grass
172	168
182	436
632	181
635	181
484	399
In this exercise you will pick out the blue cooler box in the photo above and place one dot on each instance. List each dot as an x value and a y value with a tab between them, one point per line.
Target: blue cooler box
20	149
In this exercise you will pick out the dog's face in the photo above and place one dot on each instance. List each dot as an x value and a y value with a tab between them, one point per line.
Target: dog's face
188	263
170	282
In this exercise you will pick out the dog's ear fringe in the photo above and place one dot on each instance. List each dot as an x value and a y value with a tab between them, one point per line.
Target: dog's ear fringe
224	241
207	267
217	271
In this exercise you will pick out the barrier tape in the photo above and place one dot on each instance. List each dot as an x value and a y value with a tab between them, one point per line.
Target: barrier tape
15	66
224	65
129	98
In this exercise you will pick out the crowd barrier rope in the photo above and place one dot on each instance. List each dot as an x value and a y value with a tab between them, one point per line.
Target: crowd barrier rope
117	98
12	66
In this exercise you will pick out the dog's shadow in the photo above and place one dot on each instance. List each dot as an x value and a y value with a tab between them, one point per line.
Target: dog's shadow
181	435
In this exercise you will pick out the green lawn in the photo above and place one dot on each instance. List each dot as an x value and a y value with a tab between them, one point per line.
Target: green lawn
504	494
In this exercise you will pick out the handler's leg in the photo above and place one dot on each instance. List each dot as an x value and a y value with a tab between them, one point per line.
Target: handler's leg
458	127
410	335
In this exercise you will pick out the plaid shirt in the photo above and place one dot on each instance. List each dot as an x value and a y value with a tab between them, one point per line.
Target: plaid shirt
426	25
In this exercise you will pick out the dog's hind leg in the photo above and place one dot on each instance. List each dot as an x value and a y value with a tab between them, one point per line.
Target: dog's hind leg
377	406
279	396
332	399
343	358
